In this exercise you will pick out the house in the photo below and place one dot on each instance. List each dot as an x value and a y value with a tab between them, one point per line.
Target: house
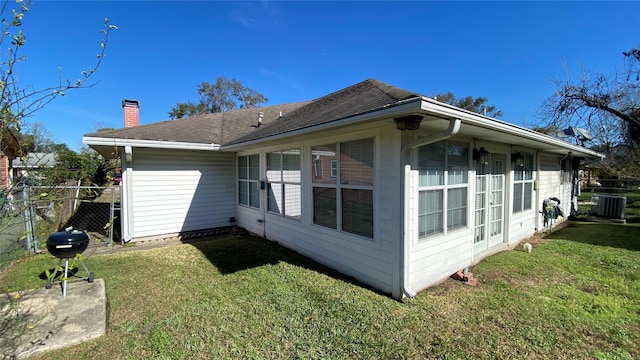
28	166
386	185
9	150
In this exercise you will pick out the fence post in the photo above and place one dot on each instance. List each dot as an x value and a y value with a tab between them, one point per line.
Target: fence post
29	220
111	214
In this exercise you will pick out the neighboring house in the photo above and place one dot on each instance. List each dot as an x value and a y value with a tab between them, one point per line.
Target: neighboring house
9	149
388	186
26	167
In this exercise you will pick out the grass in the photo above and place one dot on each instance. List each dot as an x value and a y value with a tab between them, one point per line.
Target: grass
576	296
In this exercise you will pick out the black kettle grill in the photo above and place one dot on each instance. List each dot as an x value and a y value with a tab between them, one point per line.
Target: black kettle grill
66	245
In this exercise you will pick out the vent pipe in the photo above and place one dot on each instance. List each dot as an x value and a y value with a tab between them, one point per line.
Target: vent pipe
260	116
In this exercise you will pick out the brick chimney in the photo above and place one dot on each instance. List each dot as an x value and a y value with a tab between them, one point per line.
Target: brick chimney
131	112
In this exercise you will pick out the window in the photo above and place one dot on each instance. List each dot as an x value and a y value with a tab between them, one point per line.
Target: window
343	186
283	176
249	181
334	168
566	170
443	180
523	183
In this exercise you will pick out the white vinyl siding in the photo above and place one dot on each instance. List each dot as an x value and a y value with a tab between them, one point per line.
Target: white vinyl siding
439	257
553	184
181	191
370	260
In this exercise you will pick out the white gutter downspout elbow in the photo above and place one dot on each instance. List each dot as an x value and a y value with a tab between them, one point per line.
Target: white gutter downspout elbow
452	130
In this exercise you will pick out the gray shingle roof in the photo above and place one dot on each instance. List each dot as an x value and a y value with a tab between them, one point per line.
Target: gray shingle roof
361	98
240	125
215	128
35	160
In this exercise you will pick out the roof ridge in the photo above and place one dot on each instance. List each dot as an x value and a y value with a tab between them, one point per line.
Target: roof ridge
377	84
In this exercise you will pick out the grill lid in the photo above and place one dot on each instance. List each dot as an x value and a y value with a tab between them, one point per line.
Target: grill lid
66	244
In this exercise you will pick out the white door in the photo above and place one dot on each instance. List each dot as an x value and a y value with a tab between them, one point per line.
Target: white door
489	203
496	199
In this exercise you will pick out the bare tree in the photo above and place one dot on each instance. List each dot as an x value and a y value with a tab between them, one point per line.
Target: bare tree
607	106
16	100
16	103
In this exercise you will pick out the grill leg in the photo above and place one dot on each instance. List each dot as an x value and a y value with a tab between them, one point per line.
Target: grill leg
52	278
64	280
89	273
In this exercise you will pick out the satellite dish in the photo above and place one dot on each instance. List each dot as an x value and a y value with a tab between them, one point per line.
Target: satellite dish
580	134
584	134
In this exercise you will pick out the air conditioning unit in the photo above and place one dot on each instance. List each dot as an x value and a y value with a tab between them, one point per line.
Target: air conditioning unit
608	206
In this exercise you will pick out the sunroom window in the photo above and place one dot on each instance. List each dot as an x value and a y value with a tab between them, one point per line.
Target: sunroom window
248	181
343	186
566	170
443	185
283	176
523	183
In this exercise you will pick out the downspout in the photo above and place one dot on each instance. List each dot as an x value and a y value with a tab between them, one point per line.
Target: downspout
126	195
569	154
452	130
537	215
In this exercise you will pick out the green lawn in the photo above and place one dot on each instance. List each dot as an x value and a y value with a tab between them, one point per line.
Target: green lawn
575	296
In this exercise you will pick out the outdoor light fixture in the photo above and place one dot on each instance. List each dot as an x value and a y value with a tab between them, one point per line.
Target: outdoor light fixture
409	122
481	155
517	159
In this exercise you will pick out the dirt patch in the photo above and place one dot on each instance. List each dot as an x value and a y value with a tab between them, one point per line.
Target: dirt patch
534	240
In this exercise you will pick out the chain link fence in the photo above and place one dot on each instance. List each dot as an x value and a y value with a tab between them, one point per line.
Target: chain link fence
12	232
612	186
33	213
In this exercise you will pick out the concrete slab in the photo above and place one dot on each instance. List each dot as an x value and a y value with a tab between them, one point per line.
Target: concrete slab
43	320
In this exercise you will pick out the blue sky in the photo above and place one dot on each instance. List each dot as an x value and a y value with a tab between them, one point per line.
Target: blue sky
291	51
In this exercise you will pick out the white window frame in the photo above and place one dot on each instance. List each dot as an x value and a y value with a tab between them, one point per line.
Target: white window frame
247	182
566	170
444	189
283	179
523	177
337	184
333	168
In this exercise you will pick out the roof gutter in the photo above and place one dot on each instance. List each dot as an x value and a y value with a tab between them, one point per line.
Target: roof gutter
452	130
470	118
157	144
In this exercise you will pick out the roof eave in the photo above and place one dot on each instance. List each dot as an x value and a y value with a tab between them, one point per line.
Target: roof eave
468	117
114	143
